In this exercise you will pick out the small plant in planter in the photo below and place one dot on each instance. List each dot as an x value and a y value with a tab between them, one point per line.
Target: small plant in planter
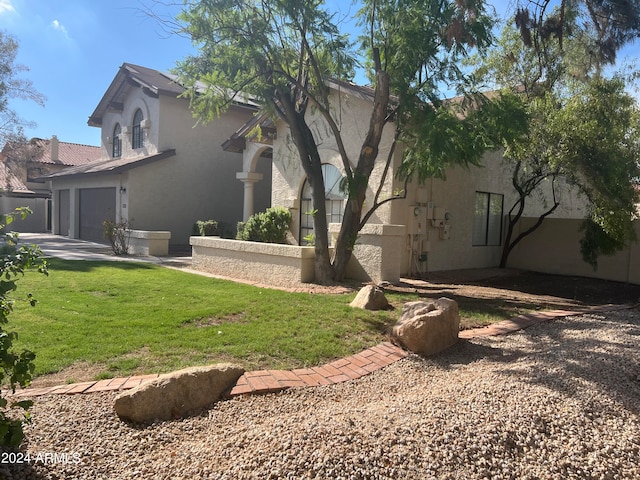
270	226
207	228
118	235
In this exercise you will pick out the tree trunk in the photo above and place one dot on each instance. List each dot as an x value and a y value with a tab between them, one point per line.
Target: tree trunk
358	186
312	165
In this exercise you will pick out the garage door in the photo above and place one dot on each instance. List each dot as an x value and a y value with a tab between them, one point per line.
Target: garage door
96	206
64	207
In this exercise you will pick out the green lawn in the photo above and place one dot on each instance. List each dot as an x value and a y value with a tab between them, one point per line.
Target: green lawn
139	318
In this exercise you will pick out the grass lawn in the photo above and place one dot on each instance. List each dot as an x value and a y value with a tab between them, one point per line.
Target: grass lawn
135	318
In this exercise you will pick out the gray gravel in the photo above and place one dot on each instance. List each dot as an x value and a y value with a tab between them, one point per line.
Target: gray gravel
558	400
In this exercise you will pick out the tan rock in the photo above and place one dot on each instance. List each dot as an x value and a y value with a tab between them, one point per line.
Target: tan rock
177	394
427	327
370	297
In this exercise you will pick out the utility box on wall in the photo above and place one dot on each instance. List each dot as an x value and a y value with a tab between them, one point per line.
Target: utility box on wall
417	220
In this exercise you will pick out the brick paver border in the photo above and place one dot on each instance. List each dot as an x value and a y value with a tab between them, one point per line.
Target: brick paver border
343	370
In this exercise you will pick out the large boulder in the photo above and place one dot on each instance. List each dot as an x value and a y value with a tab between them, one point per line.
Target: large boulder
427	327
370	297
177	394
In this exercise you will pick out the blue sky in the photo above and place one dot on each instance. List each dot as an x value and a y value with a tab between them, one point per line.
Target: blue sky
73	49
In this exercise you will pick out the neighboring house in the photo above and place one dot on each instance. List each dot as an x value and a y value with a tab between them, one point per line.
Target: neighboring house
159	170
23	167
456	223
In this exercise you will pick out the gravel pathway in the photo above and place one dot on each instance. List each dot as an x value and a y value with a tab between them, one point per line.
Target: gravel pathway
559	400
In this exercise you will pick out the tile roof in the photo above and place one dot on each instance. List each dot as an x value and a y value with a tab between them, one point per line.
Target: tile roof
112	165
133	76
8	181
38	150
153	82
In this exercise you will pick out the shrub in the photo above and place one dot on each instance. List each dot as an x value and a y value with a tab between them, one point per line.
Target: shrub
118	236
15	369
270	226
207	228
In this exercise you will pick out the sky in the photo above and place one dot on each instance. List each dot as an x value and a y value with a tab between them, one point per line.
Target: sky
73	49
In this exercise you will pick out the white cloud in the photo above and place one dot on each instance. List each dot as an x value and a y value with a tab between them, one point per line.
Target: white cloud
5	6
58	26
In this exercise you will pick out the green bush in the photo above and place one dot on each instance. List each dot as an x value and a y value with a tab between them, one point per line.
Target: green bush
207	228
15	368
270	226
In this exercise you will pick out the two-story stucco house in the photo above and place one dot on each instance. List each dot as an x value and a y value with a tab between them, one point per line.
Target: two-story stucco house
158	170
23	167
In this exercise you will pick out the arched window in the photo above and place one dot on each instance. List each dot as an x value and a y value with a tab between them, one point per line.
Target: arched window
333	200
116	146
136	134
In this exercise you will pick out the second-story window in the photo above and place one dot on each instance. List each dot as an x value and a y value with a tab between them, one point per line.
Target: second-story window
136	134
116	150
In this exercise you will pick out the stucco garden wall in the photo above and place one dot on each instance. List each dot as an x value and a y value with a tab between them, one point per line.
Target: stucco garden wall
142	242
376	256
34	223
265	263
555	248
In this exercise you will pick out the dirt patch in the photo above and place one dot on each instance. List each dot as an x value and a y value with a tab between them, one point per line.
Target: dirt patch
78	372
215	321
504	293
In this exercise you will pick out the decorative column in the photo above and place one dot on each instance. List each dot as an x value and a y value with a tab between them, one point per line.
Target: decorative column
249	179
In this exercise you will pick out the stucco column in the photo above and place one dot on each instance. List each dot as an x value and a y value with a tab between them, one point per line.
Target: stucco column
249	179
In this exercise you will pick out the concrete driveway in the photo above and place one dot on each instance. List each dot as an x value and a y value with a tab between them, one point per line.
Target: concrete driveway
74	249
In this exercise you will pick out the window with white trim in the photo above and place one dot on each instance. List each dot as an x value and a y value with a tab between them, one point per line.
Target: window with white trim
116	146
334	202
137	133
487	219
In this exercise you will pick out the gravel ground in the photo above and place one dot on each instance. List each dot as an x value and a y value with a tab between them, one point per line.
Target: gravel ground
558	400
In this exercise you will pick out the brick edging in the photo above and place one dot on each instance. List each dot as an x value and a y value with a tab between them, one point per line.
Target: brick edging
342	370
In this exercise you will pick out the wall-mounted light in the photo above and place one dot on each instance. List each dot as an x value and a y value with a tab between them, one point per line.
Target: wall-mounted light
123	190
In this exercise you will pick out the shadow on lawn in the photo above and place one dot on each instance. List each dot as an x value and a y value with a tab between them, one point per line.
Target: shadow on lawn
90	265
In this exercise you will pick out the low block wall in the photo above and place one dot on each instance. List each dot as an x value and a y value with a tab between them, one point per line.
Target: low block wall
149	243
555	248
258	262
377	255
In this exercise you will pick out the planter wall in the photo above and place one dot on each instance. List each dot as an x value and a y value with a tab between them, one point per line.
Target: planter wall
377	254
266	263
149	243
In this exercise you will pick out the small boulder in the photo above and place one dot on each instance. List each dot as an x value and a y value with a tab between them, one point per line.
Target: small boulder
177	394
370	297
427	327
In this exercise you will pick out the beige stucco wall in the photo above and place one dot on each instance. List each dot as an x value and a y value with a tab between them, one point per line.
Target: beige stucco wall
34	223
443	248
263	263
352	115
555	248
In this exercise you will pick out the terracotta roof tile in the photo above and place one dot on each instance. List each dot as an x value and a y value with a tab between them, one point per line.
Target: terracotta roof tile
8	181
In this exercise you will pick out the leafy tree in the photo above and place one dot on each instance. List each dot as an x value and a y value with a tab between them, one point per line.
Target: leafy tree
15	368
285	53
12	86
611	24
582	136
